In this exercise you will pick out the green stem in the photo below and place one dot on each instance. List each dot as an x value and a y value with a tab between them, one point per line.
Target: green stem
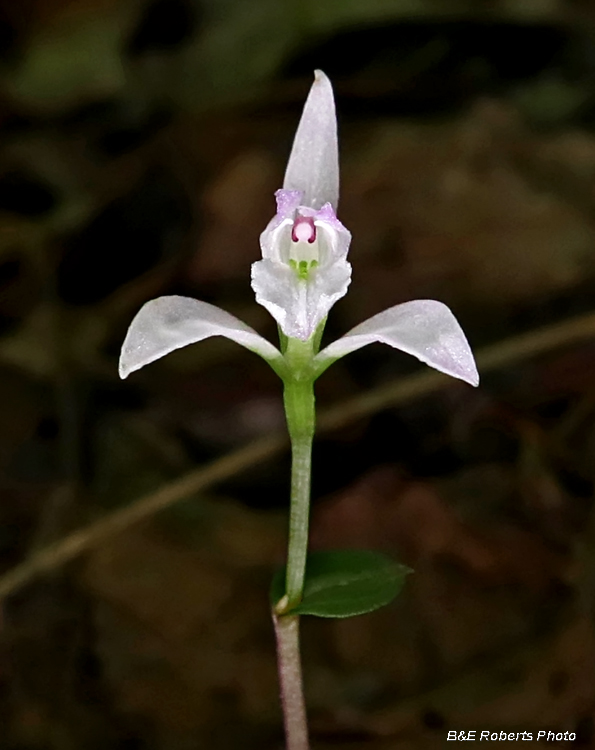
299	408
298	397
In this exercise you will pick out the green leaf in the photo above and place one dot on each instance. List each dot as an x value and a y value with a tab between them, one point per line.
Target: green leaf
345	583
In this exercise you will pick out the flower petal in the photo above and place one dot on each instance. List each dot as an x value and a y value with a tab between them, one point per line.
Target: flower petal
277	233
169	323
299	305
425	328
275	240
336	237
313	165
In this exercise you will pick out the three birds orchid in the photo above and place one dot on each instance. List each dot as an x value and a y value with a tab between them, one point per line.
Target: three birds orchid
303	272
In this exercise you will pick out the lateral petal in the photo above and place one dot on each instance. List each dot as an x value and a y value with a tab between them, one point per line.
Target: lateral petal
427	329
168	323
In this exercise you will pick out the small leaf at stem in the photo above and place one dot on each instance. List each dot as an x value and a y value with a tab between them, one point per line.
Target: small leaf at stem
343	583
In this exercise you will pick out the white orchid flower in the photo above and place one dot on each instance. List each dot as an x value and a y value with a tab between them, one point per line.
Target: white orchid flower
303	272
304	268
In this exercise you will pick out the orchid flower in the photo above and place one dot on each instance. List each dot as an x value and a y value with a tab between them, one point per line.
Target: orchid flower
303	272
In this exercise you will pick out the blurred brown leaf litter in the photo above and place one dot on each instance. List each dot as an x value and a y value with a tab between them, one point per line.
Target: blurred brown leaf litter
140	146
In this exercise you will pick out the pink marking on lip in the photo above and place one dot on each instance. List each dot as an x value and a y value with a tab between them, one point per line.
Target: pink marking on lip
303	230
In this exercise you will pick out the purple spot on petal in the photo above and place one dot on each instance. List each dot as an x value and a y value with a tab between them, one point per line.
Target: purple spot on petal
303	230
288	202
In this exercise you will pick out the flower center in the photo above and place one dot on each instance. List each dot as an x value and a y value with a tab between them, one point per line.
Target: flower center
304	251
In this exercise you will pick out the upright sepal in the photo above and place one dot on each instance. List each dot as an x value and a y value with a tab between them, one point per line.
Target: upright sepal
424	328
169	323
313	166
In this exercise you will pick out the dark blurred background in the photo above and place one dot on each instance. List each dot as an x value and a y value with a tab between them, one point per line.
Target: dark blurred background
141	142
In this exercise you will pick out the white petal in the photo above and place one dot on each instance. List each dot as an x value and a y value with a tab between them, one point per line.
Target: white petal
313	165
425	328
299	305
277	234
169	323
275	240
336	238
